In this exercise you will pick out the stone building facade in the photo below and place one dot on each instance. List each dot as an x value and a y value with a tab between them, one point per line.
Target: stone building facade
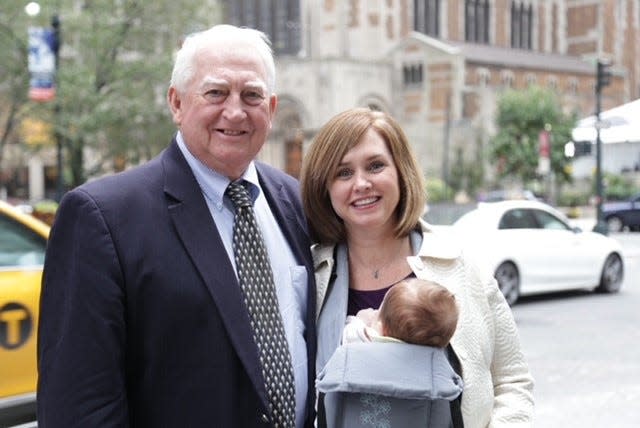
437	66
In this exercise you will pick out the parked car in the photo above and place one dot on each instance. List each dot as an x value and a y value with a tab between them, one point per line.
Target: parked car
531	248
622	215
506	195
23	240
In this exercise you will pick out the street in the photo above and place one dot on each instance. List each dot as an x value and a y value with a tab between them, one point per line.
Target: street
584	352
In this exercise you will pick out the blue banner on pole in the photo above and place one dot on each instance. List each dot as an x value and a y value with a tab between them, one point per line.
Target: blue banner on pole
42	64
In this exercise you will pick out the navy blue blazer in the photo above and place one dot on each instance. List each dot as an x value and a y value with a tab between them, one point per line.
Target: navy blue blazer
142	321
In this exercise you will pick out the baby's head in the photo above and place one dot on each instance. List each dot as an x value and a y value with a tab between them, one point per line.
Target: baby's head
419	312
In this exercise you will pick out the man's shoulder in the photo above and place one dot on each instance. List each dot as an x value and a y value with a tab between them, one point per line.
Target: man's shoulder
136	176
126	187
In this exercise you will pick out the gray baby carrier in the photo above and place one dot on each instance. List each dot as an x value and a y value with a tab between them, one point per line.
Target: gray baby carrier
385	385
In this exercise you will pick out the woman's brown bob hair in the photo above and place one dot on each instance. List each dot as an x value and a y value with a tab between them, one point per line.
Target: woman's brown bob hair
333	141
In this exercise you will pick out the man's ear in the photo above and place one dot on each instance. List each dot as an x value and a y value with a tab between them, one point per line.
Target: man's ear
273	106
175	104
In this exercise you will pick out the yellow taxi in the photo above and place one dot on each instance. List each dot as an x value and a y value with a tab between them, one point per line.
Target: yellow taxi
23	240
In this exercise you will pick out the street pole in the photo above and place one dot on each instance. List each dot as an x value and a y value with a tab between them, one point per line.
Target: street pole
603	78
600	226
445	148
55	24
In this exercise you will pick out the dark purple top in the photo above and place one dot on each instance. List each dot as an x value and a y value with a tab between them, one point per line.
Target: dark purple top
365	299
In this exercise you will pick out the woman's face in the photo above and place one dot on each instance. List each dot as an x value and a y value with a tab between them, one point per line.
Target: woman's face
365	190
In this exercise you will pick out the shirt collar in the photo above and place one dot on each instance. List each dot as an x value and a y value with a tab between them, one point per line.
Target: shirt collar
212	183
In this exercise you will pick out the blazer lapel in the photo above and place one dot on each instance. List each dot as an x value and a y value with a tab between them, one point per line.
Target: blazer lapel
282	208
199	235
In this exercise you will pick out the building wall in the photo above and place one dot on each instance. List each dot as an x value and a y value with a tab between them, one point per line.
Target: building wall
627	52
354	28
355	52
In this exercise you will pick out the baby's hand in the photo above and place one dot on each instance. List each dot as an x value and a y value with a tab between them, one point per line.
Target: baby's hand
369	316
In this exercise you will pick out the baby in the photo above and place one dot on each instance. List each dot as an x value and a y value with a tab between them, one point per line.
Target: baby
392	368
414	311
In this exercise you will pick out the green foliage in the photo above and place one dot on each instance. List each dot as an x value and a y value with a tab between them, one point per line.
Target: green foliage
617	187
573	198
467	174
475	176
436	190
521	115
114	70
457	174
14	80
114	88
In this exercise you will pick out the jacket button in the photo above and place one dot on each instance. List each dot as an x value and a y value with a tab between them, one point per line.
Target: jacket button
265	418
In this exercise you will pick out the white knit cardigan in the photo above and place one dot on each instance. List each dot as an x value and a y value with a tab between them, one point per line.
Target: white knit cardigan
498	385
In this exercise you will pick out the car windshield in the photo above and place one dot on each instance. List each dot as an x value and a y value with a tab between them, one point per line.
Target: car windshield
19	246
549	221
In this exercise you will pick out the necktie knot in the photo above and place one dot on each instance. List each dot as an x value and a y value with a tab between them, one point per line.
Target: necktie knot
239	195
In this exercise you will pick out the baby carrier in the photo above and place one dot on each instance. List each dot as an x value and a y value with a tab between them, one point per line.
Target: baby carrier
386	384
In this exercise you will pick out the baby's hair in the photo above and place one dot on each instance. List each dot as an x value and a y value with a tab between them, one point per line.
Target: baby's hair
420	312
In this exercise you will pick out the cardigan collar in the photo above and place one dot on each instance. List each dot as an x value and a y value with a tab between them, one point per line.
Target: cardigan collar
439	244
426	242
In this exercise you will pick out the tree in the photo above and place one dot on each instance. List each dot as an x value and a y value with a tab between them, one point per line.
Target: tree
468	174
115	85
13	77
521	116
115	63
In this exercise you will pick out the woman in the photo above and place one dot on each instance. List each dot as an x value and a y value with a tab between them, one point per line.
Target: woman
363	193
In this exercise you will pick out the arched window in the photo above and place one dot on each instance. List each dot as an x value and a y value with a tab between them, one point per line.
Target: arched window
476	21
507	78
279	19
530	79
573	85
484	76
426	17
521	25
412	74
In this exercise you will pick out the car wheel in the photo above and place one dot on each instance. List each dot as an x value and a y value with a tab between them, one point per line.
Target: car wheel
509	281
612	275
615	224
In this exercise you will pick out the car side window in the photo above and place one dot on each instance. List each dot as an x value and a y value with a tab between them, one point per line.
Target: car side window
518	219
549	221
20	246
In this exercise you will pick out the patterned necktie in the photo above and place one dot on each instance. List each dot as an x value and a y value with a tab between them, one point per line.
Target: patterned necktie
256	280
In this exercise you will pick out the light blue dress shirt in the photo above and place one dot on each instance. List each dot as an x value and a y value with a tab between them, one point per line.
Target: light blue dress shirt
290	278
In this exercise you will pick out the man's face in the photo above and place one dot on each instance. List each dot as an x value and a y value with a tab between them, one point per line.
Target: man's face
225	112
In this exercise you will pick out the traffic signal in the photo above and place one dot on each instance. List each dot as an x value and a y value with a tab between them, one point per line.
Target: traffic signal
603	75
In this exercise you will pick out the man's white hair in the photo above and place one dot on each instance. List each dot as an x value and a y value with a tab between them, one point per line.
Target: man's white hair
184	66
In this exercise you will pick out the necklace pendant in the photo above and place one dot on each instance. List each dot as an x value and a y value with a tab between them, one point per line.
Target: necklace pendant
375	273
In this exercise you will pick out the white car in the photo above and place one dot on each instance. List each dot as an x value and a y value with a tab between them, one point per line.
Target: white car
532	248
